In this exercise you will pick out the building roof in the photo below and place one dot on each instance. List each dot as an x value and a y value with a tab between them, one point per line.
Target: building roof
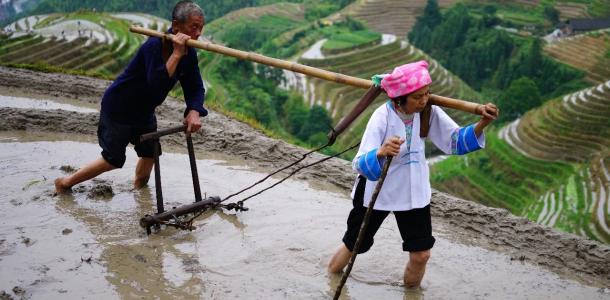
588	24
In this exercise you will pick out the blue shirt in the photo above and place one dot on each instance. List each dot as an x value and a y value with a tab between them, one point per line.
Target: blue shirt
145	83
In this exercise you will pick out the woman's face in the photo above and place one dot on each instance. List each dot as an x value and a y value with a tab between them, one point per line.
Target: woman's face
416	101
192	27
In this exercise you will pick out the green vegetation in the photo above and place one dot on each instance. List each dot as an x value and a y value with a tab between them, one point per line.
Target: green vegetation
350	40
499	176
252	91
487	58
213	9
81	55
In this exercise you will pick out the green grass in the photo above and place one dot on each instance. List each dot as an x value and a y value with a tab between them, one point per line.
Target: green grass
508	178
350	40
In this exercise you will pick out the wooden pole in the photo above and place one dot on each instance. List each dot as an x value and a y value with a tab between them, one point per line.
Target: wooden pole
364	226
303	69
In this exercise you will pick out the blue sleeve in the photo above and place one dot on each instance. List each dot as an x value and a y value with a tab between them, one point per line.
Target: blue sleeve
465	141
369	166
157	78
192	85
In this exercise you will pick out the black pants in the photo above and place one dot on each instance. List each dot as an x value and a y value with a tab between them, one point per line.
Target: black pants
415	225
114	137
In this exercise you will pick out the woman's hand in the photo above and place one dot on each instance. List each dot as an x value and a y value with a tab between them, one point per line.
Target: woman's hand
390	147
489	112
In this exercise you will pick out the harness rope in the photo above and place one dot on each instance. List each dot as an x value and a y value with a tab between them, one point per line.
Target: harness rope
239	204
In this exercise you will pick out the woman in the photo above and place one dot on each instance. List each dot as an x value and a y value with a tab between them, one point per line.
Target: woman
394	130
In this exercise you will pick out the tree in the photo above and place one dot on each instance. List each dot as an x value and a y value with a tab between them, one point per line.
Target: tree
552	14
295	113
521	96
317	121
432	14
425	24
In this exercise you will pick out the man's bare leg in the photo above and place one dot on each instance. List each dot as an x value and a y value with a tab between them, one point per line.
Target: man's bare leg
416	267
339	260
91	170
143	169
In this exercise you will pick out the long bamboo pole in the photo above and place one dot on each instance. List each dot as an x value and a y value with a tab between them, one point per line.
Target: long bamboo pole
303	69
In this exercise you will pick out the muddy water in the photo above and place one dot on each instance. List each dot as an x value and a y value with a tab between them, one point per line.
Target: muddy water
89	245
46	104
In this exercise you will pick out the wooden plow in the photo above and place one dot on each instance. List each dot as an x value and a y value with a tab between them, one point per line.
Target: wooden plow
176	216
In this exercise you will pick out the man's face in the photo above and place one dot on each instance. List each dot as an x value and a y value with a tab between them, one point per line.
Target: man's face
193	26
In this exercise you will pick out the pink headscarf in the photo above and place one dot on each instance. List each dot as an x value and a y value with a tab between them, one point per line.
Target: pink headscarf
406	79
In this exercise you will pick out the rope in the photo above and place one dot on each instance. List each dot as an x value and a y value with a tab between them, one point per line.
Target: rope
277	171
294	172
364	226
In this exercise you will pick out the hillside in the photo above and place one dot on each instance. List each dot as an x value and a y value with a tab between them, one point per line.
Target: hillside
589	52
395	17
551	165
96	43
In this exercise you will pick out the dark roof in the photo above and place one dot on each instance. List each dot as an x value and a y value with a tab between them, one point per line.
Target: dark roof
589	24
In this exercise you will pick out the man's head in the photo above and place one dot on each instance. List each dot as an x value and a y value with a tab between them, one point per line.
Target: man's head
188	18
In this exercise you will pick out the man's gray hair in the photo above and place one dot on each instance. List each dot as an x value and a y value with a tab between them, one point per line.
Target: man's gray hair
185	9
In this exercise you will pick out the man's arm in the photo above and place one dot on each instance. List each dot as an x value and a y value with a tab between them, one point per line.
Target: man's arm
179	51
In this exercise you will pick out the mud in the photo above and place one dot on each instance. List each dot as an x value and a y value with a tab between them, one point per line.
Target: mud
481	252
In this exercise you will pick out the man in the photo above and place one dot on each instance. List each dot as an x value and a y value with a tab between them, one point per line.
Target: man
128	105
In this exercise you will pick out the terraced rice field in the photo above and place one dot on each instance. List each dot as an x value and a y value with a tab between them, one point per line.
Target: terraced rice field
95	42
573	130
390	16
279	11
572	10
587	52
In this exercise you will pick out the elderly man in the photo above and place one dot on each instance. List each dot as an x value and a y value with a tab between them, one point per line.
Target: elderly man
128	106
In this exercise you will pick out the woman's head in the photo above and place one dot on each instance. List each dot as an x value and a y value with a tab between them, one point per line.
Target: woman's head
415	101
409	86
188	18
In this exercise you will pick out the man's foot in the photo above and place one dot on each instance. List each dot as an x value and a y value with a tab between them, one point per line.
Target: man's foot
139	183
60	187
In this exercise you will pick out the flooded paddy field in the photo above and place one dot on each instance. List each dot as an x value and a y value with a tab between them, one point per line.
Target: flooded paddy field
88	244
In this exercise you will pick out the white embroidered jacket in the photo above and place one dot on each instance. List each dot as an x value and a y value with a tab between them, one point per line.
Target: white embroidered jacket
407	184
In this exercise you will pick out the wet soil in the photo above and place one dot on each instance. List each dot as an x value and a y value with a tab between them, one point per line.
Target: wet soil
277	249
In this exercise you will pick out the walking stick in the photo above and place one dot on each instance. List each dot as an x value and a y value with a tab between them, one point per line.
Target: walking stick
365	224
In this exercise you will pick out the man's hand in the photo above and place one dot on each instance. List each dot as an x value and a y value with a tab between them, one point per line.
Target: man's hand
390	147
192	121
179	51
180	47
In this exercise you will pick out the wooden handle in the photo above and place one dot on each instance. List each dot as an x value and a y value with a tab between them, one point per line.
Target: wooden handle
303	69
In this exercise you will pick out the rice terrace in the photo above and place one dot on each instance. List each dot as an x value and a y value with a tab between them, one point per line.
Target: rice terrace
280	155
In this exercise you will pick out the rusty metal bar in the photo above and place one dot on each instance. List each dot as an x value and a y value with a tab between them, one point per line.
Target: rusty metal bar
158	190
193	161
148	221
160	133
